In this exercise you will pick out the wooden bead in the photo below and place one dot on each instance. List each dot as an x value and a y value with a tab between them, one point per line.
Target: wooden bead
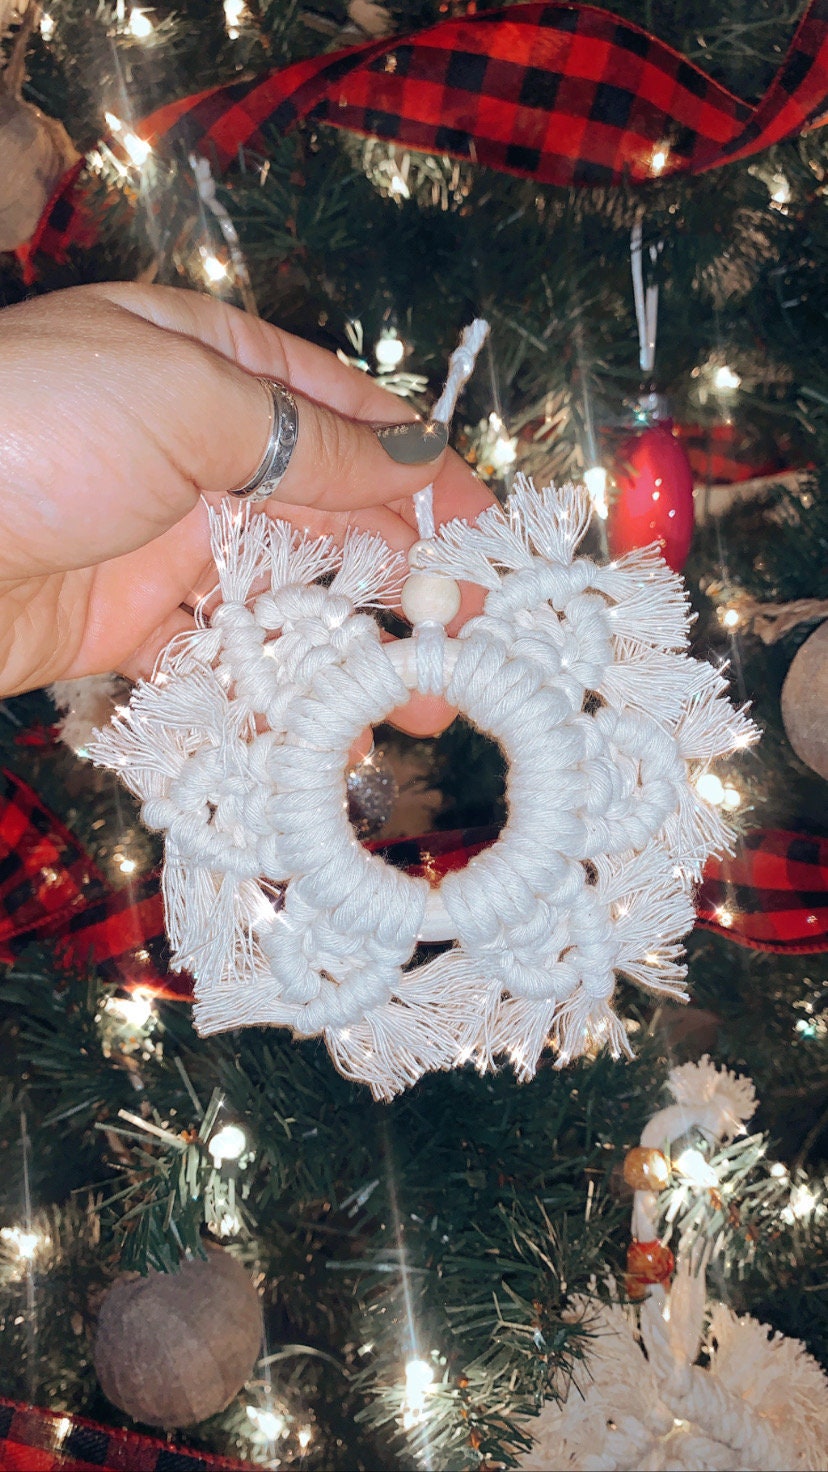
652	1262
646	1169
428	597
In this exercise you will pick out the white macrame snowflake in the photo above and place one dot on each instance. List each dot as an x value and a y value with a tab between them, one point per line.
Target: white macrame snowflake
238	749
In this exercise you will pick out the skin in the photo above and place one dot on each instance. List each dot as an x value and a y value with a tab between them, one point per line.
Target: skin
120	407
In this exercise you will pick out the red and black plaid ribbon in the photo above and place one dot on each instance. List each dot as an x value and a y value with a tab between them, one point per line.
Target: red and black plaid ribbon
772	896
35	1440
565	94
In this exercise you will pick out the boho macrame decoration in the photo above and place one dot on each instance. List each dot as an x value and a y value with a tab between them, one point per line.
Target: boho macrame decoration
238	749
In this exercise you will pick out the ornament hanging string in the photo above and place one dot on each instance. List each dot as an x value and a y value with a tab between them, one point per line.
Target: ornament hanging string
560	93
646	299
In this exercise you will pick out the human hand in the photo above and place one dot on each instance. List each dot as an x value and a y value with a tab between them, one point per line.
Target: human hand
120	405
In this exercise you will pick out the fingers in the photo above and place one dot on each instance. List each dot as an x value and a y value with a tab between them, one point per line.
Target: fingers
338	463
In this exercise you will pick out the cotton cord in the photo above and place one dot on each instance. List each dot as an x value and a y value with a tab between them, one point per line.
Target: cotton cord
238	747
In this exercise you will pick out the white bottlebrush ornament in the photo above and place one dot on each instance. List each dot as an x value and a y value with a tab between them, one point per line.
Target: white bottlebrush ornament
238	749
640	1399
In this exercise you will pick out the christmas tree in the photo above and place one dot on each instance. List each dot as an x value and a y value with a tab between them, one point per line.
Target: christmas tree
221	1239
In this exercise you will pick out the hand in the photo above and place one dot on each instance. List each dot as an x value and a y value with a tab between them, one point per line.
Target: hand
120	405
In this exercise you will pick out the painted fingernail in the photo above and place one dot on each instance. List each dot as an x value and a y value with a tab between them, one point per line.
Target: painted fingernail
417	443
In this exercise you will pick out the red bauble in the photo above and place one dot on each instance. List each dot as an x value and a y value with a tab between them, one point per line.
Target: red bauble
651	1262
654	500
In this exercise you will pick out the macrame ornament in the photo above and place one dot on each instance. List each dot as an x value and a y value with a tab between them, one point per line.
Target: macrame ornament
758	1402
238	749
172	1349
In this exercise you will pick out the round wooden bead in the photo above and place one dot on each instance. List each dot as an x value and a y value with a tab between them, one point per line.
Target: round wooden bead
646	1169
172	1349
651	1262
427	597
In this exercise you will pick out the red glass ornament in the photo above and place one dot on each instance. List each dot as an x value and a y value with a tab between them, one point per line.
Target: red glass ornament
651	1262
654	498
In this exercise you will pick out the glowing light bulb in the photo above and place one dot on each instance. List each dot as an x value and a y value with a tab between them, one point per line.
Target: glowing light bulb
136	1010
724	917
710	788
419	1377
270	1423
25	1243
725	379
47	26
113	123
780	190
596	483
503	452
126	865
692	1164
234	12
303	1436
214	269
137	148
778	1170
389	351
658	162
398	188
802	1201
731	799
140	25
228	1143
730	618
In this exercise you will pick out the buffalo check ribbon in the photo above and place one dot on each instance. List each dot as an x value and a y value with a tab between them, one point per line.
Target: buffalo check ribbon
36	1440
772	895
565	94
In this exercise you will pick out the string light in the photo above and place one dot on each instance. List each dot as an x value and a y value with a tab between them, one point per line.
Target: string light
228	1143
47	26
724	916
595	480
25	1243
731	799
136	1009
658	162
389	351
730	618
303	1436
140	25
726	379
779	1170
419	1377
214	269
780	190
125	864
692	1164
503	451
801	1204
710	788
271	1424
234	13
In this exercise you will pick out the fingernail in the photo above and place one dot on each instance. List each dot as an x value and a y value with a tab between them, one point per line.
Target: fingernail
416	443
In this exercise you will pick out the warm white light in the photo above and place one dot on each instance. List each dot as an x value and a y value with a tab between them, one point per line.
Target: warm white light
26	1243
802	1202
389	351
692	1164
63	1427
140	25
137	148
710	788
303	1436
731	799
136	1010
724	917
270	1423
659	159
114	124
504	450
228	1143
781	190
730	618
214	269
725	379
126	866
418	1380
398	188
234	11
596	484
47	26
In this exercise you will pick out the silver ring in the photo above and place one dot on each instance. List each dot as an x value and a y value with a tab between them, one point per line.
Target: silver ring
281	443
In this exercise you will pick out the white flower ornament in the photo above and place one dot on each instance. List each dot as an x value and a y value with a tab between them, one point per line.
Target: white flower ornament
238	749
